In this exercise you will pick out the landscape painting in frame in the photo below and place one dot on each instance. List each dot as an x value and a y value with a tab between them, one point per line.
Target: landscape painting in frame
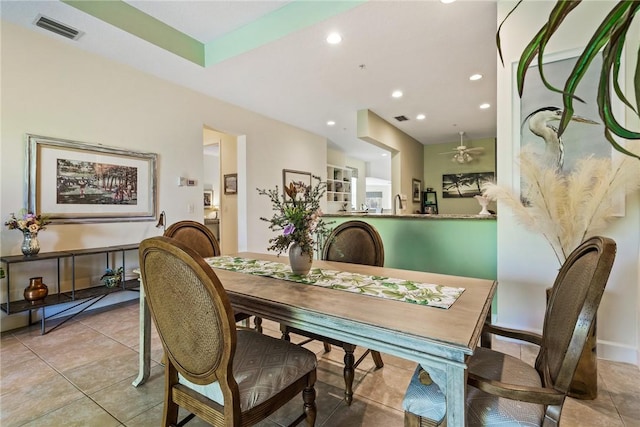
72	181
460	185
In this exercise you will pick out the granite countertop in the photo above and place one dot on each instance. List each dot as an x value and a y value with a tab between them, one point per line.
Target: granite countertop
409	216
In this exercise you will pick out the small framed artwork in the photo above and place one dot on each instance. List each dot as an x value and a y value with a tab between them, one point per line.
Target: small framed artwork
208	198
231	183
79	182
298	178
416	189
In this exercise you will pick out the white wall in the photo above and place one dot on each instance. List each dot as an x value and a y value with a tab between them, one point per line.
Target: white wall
50	87
526	265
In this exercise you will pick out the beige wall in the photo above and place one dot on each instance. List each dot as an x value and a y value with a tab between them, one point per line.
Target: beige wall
407	161
526	264
436	165
51	87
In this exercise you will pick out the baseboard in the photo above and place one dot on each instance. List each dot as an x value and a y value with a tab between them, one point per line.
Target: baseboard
618	352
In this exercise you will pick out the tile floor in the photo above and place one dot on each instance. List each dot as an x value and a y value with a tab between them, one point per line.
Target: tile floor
81	374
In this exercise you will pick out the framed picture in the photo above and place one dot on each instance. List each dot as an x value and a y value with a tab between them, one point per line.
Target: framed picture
295	177
416	189
460	185
208	198
231	183
584	135
73	181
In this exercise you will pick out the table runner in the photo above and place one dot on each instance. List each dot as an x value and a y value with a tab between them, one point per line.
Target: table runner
378	286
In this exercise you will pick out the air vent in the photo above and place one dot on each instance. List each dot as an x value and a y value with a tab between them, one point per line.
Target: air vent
58	28
401	118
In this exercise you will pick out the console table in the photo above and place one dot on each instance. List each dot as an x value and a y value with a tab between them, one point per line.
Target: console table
86	297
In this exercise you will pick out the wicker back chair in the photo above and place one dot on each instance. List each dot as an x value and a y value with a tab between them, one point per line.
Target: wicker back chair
354	242
212	369
504	390
199	238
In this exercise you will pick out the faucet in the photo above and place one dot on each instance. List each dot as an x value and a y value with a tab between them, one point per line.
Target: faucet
399	203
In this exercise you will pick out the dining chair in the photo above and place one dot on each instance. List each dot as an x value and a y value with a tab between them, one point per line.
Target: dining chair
355	242
199	238
503	390
223	375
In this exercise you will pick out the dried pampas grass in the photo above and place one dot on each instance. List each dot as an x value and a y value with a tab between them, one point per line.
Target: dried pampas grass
568	209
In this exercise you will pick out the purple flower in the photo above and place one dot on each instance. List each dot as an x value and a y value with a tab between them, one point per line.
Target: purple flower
289	229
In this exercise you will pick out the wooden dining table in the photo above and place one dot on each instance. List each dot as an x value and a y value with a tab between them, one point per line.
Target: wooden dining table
441	340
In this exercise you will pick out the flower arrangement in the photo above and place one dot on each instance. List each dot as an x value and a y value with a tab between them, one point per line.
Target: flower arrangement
297	216
568	209
28	222
112	277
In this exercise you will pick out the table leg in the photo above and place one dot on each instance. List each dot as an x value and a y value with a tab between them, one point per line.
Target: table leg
456	387
349	360
145	341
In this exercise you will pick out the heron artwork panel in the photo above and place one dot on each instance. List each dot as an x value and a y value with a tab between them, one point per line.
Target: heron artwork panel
540	111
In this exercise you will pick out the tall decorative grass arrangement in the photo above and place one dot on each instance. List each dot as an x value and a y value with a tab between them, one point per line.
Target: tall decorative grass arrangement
568	209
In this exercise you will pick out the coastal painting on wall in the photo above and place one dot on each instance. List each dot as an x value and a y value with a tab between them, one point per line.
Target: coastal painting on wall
540	110
72	181
461	185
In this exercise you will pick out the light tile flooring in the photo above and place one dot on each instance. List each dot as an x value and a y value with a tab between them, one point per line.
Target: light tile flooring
81	374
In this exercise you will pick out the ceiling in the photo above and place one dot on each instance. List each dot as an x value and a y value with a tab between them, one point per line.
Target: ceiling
271	57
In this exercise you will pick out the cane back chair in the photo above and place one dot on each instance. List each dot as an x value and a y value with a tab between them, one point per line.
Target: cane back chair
354	242
225	376
503	390
199	238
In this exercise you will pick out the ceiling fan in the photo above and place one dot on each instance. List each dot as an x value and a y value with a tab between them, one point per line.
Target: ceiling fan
461	154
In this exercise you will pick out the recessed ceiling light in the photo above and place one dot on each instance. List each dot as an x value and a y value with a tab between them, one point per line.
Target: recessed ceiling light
485	106
384	154
420	117
475	77
397	94
447	1
331	123
334	38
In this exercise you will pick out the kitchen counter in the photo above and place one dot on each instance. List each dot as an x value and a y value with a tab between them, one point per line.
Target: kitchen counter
407	216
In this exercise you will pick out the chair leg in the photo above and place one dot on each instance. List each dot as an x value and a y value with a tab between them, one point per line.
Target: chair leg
377	359
349	360
309	398
327	347
257	321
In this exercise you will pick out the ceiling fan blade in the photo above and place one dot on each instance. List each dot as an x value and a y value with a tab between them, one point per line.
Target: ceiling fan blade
471	150
450	152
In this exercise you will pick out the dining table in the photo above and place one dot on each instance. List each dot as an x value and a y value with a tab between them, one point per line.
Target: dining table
439	339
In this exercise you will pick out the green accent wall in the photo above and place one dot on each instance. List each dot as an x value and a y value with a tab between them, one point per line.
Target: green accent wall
459	247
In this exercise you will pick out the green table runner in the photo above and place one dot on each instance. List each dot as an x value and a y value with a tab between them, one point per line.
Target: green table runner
377	286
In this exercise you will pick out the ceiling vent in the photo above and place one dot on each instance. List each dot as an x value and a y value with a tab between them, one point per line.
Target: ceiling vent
58	28
401	118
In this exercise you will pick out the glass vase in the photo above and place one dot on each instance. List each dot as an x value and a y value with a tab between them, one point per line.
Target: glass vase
30	244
